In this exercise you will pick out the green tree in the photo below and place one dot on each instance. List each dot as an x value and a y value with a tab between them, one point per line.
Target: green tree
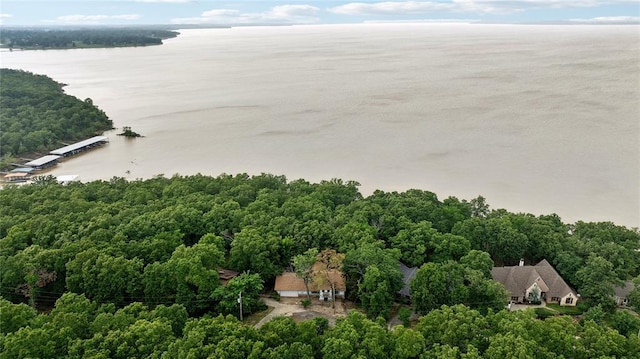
450	247
408	343
438	284
596	282
329	261
105	278
416	244
355	335
375	296
625	323
258	253
478	260
357	262
457	326
188	278
228	297
14	316
303	264
511	346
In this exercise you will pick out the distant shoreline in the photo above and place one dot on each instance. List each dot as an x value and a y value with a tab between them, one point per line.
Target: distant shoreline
62	39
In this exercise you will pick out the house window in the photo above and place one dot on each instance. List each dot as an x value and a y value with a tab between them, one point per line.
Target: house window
514	299
568	300
555	299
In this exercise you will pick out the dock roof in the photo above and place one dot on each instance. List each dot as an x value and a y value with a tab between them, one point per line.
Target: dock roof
78	145
22	170
16	175
42	160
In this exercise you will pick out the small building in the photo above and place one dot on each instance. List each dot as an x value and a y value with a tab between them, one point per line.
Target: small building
533	284
66	179
226	275
289	285
43	162
621	293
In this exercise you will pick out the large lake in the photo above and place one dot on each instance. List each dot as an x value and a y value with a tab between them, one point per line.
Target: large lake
538	119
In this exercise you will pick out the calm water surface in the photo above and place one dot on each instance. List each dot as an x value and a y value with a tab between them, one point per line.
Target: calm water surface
538	119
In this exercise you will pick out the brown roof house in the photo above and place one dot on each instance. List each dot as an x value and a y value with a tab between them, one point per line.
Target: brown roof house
288	284
532	284
226	275
621	293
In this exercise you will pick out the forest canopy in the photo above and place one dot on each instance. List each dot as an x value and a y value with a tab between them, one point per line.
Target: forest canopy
42	38
123	262
37	115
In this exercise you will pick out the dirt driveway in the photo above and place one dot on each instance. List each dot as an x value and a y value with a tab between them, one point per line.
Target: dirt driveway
291	307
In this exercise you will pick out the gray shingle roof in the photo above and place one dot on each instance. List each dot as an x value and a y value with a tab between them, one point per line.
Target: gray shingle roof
517	279
557	286
407	275
623	292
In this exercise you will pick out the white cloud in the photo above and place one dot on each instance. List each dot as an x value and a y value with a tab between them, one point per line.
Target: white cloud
610	20
283	14
391	8
292	11
92	19
220	13
474	6
3	17
423	21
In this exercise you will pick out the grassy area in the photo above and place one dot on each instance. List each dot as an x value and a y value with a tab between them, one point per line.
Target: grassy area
254	318
542	313
565	310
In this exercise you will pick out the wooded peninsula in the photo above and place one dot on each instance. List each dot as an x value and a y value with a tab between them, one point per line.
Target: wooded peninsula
37	116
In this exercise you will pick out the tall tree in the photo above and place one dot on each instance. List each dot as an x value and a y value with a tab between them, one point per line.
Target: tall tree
597	281
375	296
478	260
303	264
330	263
246	288
438	284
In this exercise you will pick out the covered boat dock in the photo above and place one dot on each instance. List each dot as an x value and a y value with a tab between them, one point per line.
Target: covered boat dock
22	170
43	162
81	146
16	177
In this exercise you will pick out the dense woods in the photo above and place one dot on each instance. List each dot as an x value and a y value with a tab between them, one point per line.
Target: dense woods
129	269
41	38
37	115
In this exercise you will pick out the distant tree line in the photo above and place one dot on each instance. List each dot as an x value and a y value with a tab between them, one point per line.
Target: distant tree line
81	38
37	115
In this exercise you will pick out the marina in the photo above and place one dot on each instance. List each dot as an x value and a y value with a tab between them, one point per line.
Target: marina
24	172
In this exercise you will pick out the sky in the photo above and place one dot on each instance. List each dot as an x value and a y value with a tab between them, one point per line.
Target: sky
252	12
